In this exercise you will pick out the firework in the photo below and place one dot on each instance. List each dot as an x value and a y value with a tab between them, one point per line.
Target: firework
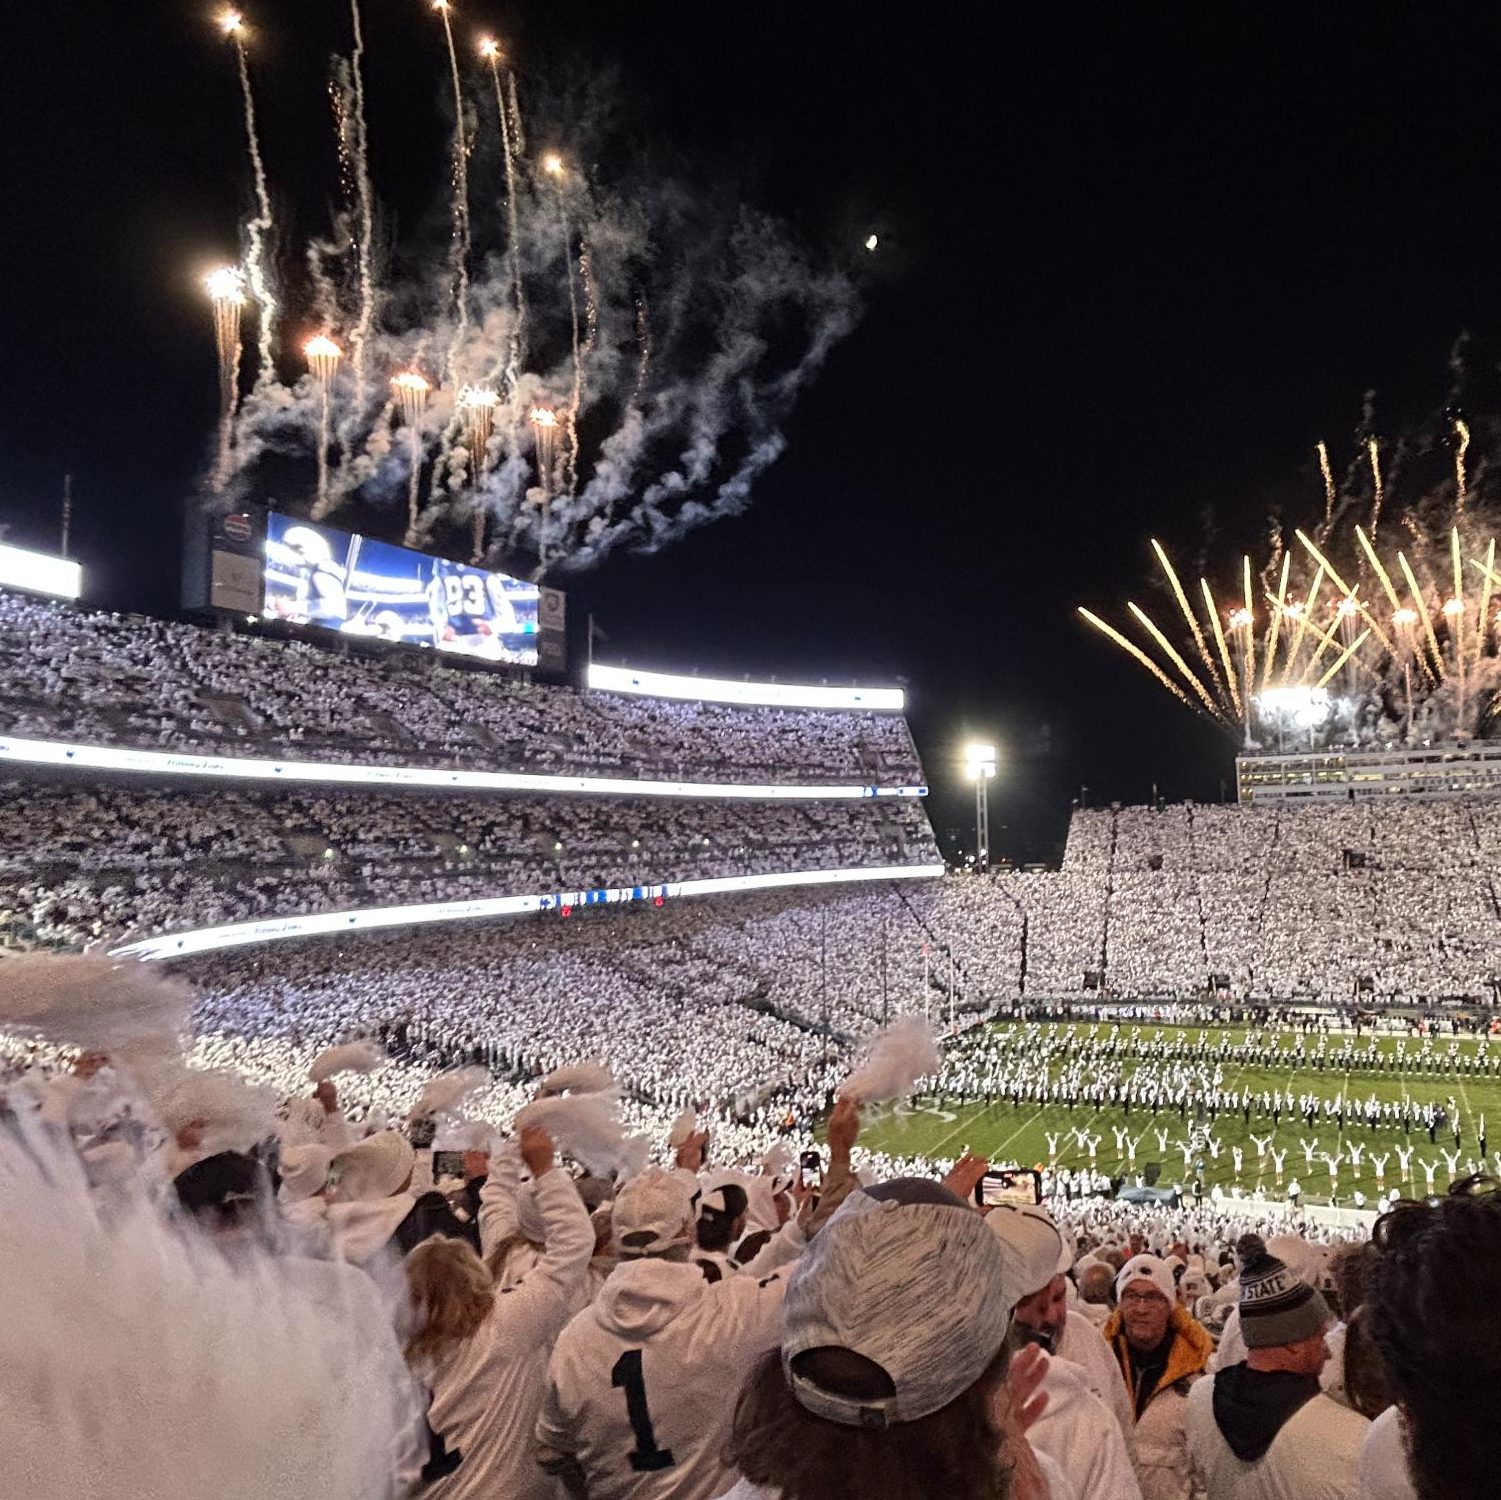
489	50
412	389
1413	660
702	434
226	290
232	23
477	408
1461	448
552	164
544	422
460	243
364	196
323	356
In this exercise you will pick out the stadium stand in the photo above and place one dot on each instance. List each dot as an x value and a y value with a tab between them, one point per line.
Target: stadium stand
127	680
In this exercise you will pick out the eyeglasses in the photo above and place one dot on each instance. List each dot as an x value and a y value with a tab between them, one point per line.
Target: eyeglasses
1140	1299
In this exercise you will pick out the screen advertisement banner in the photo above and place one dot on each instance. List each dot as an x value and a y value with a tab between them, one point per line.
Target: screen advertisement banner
341	581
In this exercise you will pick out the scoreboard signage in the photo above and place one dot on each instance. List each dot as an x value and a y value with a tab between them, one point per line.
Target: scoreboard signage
352	584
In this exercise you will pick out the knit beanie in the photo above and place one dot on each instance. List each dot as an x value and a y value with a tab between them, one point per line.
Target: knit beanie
1276	1307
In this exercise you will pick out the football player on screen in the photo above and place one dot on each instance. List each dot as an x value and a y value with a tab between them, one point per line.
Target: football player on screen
318	582
469	609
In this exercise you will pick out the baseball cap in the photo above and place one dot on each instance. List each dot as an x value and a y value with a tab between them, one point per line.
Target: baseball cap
1034	1249
916	1288
651	1211
1148	1268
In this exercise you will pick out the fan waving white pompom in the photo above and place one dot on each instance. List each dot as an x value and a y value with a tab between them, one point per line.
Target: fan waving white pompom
892	1061
447	1091
578	1078
89	1001
586	1127
684	1128
351	1057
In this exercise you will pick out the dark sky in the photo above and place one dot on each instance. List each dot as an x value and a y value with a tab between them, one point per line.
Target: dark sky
1136	260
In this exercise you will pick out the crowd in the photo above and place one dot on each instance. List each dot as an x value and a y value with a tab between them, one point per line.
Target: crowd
85	863
213	1287
128	680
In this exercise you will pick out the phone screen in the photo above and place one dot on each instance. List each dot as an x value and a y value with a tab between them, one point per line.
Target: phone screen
811	1167
448	1164
1009	1186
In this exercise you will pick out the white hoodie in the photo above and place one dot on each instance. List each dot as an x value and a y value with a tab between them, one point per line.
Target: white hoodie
642	1385
486	1392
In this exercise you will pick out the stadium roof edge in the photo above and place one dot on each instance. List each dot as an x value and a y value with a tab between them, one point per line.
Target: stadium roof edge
65	755
727	690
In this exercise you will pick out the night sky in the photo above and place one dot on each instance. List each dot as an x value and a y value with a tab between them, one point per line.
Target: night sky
1135	261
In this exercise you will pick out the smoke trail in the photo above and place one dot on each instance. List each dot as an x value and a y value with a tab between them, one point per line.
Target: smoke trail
516	351
570	419
1462	447
364	200
260	225
461	232
1373	448
1330	492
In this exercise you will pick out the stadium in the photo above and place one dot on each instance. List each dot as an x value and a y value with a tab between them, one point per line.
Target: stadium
512	869
501	997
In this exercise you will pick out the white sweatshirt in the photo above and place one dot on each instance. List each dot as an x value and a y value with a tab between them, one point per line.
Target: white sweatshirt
1080	1434
1084	1345
486	1392
642	1385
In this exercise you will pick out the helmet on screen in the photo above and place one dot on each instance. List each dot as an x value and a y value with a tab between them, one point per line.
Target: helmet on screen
311	545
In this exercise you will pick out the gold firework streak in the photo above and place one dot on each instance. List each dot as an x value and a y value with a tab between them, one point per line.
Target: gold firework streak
1273	628
1462	432
1219	641
1330	494
1485	598
1344	656
1345	589
1189	616
1437	669
1374	450
1249	627
1132	649
1381	573
1304	616
1172	654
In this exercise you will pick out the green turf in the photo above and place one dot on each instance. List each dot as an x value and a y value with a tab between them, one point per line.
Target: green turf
1017	1134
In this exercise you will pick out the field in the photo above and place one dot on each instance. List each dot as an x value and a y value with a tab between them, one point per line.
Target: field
1017	1134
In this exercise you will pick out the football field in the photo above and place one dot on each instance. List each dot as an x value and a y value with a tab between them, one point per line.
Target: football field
1017	1134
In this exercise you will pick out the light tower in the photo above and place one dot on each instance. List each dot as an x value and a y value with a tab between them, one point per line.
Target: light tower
979	767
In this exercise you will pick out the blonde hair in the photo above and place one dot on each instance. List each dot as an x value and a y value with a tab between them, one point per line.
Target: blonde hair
451	1292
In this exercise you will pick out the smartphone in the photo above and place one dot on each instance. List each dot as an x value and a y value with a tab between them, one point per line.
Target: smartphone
448	1164
810	1169
1011	1186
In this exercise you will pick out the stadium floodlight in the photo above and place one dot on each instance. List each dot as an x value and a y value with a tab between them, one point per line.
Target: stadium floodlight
979	762
979	767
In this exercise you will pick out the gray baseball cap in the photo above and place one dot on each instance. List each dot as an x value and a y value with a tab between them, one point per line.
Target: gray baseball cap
918	1288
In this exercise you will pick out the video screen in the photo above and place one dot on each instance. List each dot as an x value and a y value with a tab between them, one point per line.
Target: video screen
339	580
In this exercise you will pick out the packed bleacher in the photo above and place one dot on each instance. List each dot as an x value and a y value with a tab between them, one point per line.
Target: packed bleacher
114	679
82	863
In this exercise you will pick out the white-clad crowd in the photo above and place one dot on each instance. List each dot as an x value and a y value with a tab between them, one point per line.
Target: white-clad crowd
208	1287
126	679
84	863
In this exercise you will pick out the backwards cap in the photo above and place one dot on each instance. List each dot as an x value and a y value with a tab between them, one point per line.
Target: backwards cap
918	1288
650	1213
1034	1249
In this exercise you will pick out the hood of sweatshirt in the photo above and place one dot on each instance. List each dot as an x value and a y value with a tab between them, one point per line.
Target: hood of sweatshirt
642	1296
362	1229
1252	1406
